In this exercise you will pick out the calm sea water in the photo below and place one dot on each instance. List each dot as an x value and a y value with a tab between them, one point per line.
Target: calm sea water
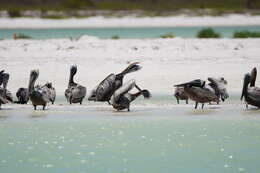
185	32
158	137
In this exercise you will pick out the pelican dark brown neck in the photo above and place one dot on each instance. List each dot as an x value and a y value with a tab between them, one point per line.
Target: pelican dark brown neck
247	80
253	77
73	71
33	76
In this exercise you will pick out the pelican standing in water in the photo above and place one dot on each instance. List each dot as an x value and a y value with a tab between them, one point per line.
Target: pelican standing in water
251	93
180	94
121	99
38	95
111	83
198	91
5	95
75	92
22	95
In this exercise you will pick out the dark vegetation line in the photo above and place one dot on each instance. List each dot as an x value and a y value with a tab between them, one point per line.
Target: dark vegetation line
129	4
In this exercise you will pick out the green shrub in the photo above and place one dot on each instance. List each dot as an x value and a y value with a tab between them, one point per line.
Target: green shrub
23	36
168	35
246	34
54	17
78	4
208	33
14	13
115	37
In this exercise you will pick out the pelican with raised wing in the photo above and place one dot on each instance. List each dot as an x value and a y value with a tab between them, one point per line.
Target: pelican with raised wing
121	99
111	83
37	95
75	92
251	93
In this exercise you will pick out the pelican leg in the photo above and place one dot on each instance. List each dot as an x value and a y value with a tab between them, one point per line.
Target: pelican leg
202	105
209	103
137	87
246	106
108	102
128	109
43	107
218	102
187	102
177	100
196	105
52	103
34	107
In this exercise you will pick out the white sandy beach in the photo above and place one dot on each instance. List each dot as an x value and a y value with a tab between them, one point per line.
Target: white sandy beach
165	61
99	21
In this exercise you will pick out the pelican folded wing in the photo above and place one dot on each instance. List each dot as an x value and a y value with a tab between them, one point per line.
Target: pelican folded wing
106	88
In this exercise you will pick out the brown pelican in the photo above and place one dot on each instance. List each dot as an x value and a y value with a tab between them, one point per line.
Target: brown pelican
5	95
198	91
219	87
50	90
251	93
180	94
22	95
121	99
75	92
111	83
37	95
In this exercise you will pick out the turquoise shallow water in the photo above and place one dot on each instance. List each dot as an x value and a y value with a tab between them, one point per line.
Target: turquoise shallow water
177	145
151	138
104	33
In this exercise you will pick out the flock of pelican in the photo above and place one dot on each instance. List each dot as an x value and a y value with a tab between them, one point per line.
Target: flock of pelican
117	93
